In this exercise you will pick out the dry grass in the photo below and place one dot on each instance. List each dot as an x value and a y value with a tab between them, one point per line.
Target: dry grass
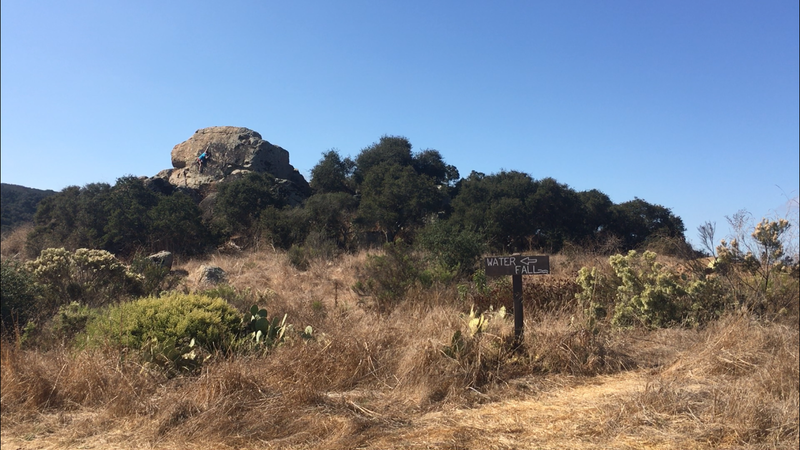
13	242
373	380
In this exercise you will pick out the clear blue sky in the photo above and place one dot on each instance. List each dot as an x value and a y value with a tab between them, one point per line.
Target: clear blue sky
693	105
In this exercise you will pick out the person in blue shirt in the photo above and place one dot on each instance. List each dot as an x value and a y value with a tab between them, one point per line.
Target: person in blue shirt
202	160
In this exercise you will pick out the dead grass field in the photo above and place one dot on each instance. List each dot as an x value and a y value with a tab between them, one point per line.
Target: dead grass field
382	381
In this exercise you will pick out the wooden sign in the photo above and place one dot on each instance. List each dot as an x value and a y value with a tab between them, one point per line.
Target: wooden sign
516	265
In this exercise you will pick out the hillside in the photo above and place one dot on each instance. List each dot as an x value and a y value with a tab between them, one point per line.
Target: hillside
18	204
398	378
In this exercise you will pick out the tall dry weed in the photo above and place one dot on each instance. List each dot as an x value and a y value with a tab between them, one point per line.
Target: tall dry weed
738	385
33	382
12	244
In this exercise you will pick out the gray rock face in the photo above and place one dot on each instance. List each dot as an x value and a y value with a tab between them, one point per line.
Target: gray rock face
163	259
210	275
233	150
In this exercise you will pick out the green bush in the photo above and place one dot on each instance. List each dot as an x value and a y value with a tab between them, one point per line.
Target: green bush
298	257
212	322
389	276
240	202
19	295
451	247
154	277
284	227
71	320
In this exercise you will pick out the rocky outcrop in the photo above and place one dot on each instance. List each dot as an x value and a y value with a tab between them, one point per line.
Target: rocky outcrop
234	151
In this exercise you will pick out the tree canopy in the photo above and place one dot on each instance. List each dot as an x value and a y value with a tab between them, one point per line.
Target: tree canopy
387	189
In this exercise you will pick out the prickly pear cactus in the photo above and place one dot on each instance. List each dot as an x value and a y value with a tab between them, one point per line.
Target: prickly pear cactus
265	332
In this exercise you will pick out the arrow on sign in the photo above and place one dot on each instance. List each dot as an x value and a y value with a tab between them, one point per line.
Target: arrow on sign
527	260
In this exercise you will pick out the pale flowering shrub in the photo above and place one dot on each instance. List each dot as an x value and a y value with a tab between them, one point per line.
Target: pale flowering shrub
755	265
648	294
643	292
100	268
54	265
88	276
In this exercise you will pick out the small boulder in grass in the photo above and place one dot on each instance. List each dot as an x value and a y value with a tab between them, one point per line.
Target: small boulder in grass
162	259
211	275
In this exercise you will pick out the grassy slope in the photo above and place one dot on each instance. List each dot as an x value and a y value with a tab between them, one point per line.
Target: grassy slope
382	381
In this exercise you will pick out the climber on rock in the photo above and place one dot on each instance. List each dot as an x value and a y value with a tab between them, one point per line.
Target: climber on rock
203	159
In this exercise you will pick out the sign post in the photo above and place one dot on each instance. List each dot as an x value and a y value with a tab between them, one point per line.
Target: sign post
517	265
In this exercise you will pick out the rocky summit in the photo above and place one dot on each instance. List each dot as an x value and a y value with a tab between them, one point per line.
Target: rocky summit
233	152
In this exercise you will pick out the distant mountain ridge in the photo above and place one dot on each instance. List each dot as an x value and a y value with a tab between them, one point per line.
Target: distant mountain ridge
18	204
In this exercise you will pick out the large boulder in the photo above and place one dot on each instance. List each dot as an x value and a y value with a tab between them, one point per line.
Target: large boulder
233	151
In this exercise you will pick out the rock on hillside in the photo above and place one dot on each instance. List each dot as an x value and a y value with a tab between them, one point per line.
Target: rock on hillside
234	151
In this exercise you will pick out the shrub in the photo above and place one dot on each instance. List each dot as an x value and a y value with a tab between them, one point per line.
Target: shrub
755	265
284	227
298	257
212	322
487	293
92	276
240	202
71	320
647	293
154	277
19	295
389	276
451	247
641	291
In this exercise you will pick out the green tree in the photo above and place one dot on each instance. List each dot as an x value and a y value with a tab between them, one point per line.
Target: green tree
239	203
557	215
395	197
54	221
331	214
18	204
390	150
596	212
499	205
90	226
70	218
177	225
449	246
332	174
637	220
430	163
128	227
